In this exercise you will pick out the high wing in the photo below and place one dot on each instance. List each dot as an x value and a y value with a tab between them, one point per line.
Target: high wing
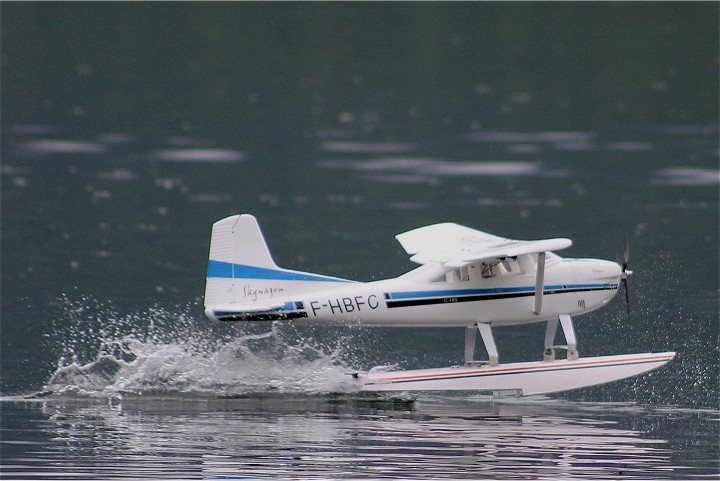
454	245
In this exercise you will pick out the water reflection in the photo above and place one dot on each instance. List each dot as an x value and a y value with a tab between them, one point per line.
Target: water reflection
61	146
334	437
199	155
689	176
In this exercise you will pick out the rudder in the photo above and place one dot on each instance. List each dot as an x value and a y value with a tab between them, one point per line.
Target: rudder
235	241
238	240
242	271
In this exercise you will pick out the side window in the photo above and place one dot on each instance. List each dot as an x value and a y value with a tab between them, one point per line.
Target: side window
489	269
455	276
483	270
504	267
464	274
510	266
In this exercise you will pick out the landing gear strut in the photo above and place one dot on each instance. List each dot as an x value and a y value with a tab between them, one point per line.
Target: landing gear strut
488	340
548	355
568	330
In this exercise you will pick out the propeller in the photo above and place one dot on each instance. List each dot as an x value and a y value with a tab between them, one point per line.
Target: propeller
625	273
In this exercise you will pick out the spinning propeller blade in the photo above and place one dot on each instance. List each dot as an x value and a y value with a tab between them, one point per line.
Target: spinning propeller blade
625	273
627	295
626	255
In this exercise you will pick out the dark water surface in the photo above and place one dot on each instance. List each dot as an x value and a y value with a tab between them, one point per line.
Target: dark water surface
127	129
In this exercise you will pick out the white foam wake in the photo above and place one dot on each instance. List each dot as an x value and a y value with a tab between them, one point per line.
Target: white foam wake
161	352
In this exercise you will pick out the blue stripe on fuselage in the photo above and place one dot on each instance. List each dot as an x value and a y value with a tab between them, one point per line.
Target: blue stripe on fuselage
228	270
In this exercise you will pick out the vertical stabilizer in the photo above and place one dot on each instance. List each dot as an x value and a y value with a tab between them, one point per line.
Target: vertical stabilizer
241	270
238	240
236	243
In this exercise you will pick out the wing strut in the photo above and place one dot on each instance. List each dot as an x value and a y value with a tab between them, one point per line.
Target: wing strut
539	281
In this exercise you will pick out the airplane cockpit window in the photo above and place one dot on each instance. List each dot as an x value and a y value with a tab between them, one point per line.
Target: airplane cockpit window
456	275
464	274
510	266
485	270
489	269
506	266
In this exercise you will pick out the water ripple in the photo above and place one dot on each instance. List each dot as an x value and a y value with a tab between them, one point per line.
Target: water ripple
331	437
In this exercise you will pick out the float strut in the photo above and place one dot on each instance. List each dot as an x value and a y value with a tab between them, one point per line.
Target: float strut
567	325
470	335
488	340
550	330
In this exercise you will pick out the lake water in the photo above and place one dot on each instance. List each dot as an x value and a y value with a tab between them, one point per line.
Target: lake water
127	129
346	437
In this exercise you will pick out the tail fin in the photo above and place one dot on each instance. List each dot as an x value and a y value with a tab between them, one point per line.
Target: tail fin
237	240
242	275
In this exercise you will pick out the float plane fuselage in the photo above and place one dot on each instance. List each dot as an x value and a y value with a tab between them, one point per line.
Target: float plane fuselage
466	278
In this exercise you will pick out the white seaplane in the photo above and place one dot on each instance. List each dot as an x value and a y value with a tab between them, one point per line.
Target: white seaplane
466	278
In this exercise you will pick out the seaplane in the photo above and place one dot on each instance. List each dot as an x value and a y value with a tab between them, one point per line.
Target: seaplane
465	279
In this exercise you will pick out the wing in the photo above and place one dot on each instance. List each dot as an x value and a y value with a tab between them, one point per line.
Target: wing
454	245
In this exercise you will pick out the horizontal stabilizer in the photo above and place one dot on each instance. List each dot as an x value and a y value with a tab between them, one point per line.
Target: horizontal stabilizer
256	312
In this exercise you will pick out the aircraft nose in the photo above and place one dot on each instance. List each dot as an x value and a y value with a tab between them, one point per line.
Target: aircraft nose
611	271
607	269
599	271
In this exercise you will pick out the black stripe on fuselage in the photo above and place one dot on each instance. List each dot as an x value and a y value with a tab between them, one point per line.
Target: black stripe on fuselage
485	297
262	316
